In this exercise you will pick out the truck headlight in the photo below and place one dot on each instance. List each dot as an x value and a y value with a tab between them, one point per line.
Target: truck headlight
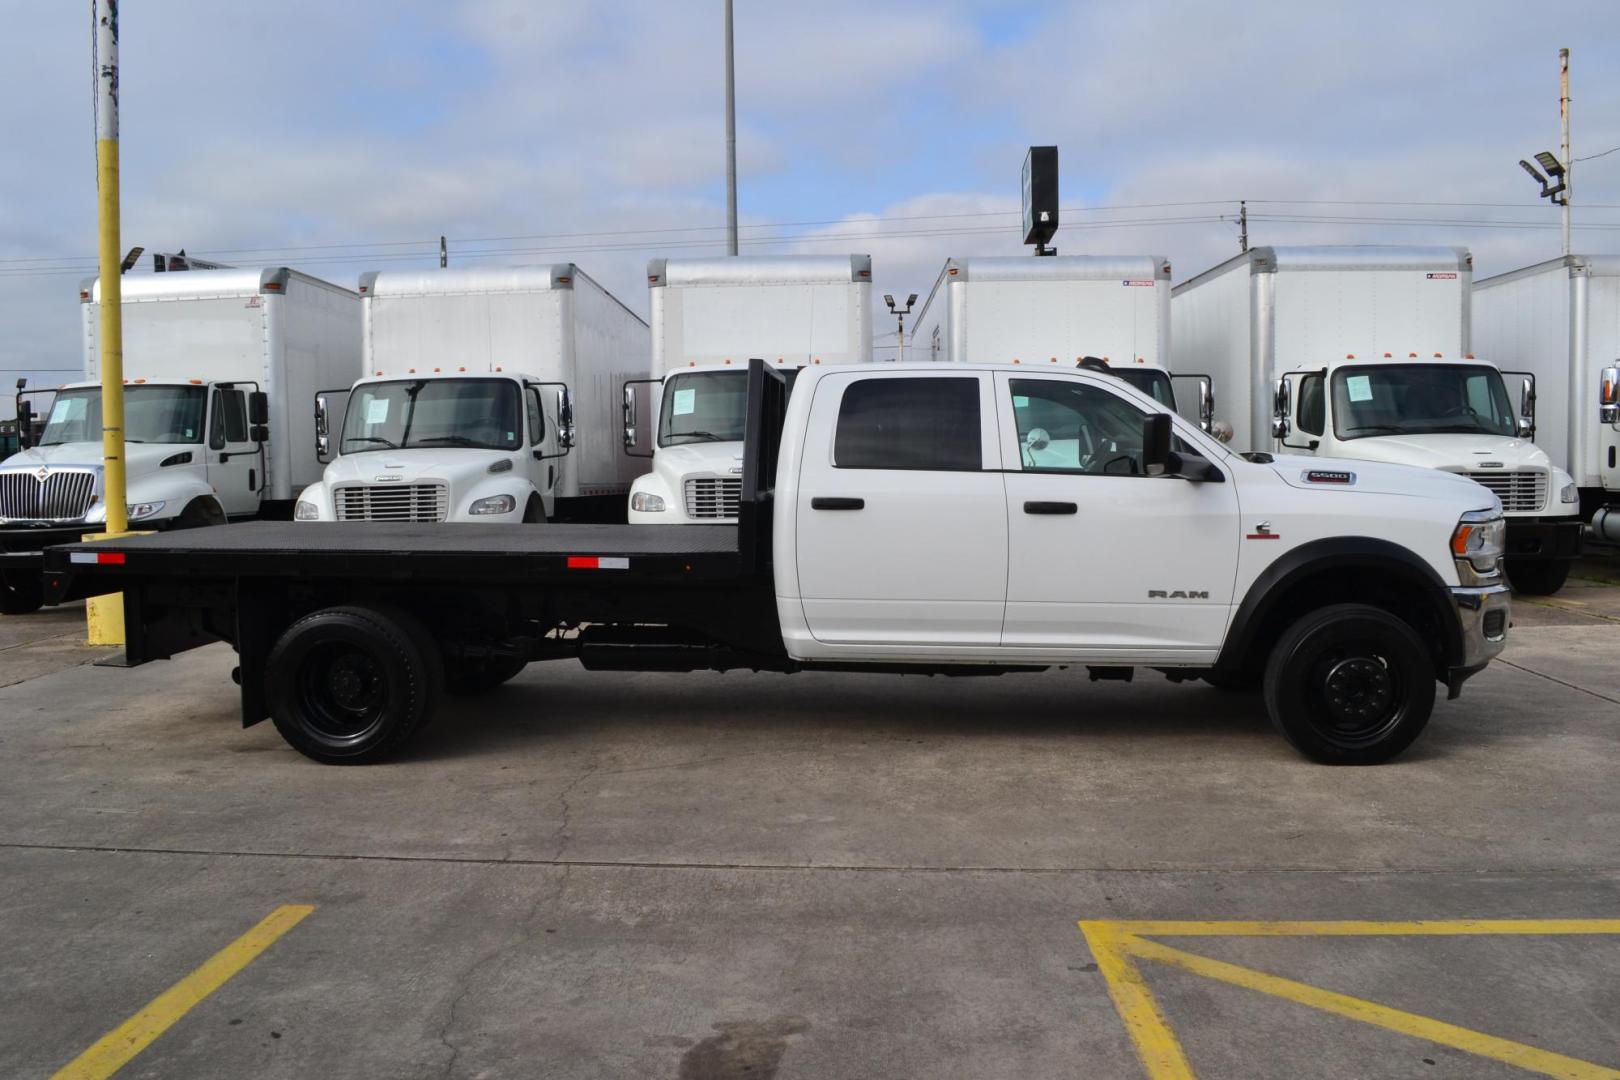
139	511
306	511
643	503
1478	543
1568	494
494	504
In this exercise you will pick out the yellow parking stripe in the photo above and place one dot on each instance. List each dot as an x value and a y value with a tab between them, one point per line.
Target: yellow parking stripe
1429	927
115	1049
1156	1043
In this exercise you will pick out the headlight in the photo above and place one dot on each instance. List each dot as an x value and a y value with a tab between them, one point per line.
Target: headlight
306	511
138	511
1568	494
1478	542
643	503
494	504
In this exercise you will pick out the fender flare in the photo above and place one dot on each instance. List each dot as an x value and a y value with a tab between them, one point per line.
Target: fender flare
1339	553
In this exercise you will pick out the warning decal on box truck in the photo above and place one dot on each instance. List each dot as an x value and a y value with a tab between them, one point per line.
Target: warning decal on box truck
1449	276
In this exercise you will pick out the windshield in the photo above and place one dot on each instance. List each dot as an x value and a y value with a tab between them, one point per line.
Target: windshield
1421	399
483	414
152	414
703	406
1155	384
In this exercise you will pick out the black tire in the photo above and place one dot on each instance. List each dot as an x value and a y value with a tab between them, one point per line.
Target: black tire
1350	685
534	511
21	594
468	678
200	514
1234	682
350	685
1537	577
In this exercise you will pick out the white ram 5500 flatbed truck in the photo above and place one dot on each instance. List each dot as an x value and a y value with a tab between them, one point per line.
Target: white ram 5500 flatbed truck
915	518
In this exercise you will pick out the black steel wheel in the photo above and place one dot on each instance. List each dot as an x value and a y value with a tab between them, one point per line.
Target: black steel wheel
1537	577
466	678
1350	685
21	593
350	685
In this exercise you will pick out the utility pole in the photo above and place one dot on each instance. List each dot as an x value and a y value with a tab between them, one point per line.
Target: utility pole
900	314
444	254
1563	118
105	63
731	140
1243	225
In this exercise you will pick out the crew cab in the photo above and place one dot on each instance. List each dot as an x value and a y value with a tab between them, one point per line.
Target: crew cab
959	520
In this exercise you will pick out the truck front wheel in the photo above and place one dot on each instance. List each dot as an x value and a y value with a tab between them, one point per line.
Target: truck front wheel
1537	577
1350	684
350	685
21	594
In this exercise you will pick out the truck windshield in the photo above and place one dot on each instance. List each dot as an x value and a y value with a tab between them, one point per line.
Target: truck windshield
152	414
703	406
1421	399
1155	384
482	414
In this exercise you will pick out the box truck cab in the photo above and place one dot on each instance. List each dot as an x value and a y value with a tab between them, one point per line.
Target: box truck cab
1108	312
1363	353
212	359
1560	321
467	413
709	316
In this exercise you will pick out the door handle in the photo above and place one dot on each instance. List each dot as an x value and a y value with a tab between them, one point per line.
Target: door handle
1050	508
825	502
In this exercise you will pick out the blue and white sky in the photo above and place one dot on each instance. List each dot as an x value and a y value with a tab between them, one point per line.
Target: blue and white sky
342	137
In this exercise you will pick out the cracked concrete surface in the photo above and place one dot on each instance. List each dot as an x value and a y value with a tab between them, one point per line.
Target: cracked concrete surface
599	875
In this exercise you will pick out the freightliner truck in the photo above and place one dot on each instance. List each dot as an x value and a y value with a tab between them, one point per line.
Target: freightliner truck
220	367
917	518
708	317
1110	310
467	411
1363	353
1560	320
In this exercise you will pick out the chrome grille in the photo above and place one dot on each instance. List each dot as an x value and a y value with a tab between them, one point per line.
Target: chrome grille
1522	491
64	495
713	496
392	502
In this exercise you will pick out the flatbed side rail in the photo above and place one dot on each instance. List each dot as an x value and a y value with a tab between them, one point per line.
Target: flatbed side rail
768	390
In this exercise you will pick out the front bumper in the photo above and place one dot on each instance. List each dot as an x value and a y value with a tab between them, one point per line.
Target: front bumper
1544	538
33	539
1483	615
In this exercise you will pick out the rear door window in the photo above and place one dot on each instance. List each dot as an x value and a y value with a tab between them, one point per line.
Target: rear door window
909	423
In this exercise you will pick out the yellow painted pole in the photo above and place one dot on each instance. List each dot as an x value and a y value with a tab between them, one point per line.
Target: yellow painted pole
104	615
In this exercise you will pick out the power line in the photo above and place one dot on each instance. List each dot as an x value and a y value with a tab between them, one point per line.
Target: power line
1594	157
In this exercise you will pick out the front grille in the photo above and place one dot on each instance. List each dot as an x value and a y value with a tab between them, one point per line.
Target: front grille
713	496
62	496
1522	491
392	502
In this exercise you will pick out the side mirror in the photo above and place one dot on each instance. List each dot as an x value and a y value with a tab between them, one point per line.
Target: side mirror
1156	456
258	404
1527	408
565	418
259	433
629	417
1206	403
1609	396
25	424
1282	405
323	427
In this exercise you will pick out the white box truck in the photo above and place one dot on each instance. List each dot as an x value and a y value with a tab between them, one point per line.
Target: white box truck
491	394
709	317
1560	321
1113	310
1363	353
219	366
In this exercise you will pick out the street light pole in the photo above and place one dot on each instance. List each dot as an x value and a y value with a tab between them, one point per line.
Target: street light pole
900	315
1563	116
731	140
105	62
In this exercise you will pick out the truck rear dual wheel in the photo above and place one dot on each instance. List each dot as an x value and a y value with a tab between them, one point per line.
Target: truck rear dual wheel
351	685
1537	577
1350	684
21	594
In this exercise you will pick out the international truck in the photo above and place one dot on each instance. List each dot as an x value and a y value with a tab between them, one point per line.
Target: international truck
908	519
1560	320
220	367
1113	311
709	317
467	412
1364	353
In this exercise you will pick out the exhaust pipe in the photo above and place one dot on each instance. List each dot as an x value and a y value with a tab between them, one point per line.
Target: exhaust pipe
1605	524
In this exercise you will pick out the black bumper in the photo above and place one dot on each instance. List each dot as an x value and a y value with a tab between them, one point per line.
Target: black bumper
22	549
1547	538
